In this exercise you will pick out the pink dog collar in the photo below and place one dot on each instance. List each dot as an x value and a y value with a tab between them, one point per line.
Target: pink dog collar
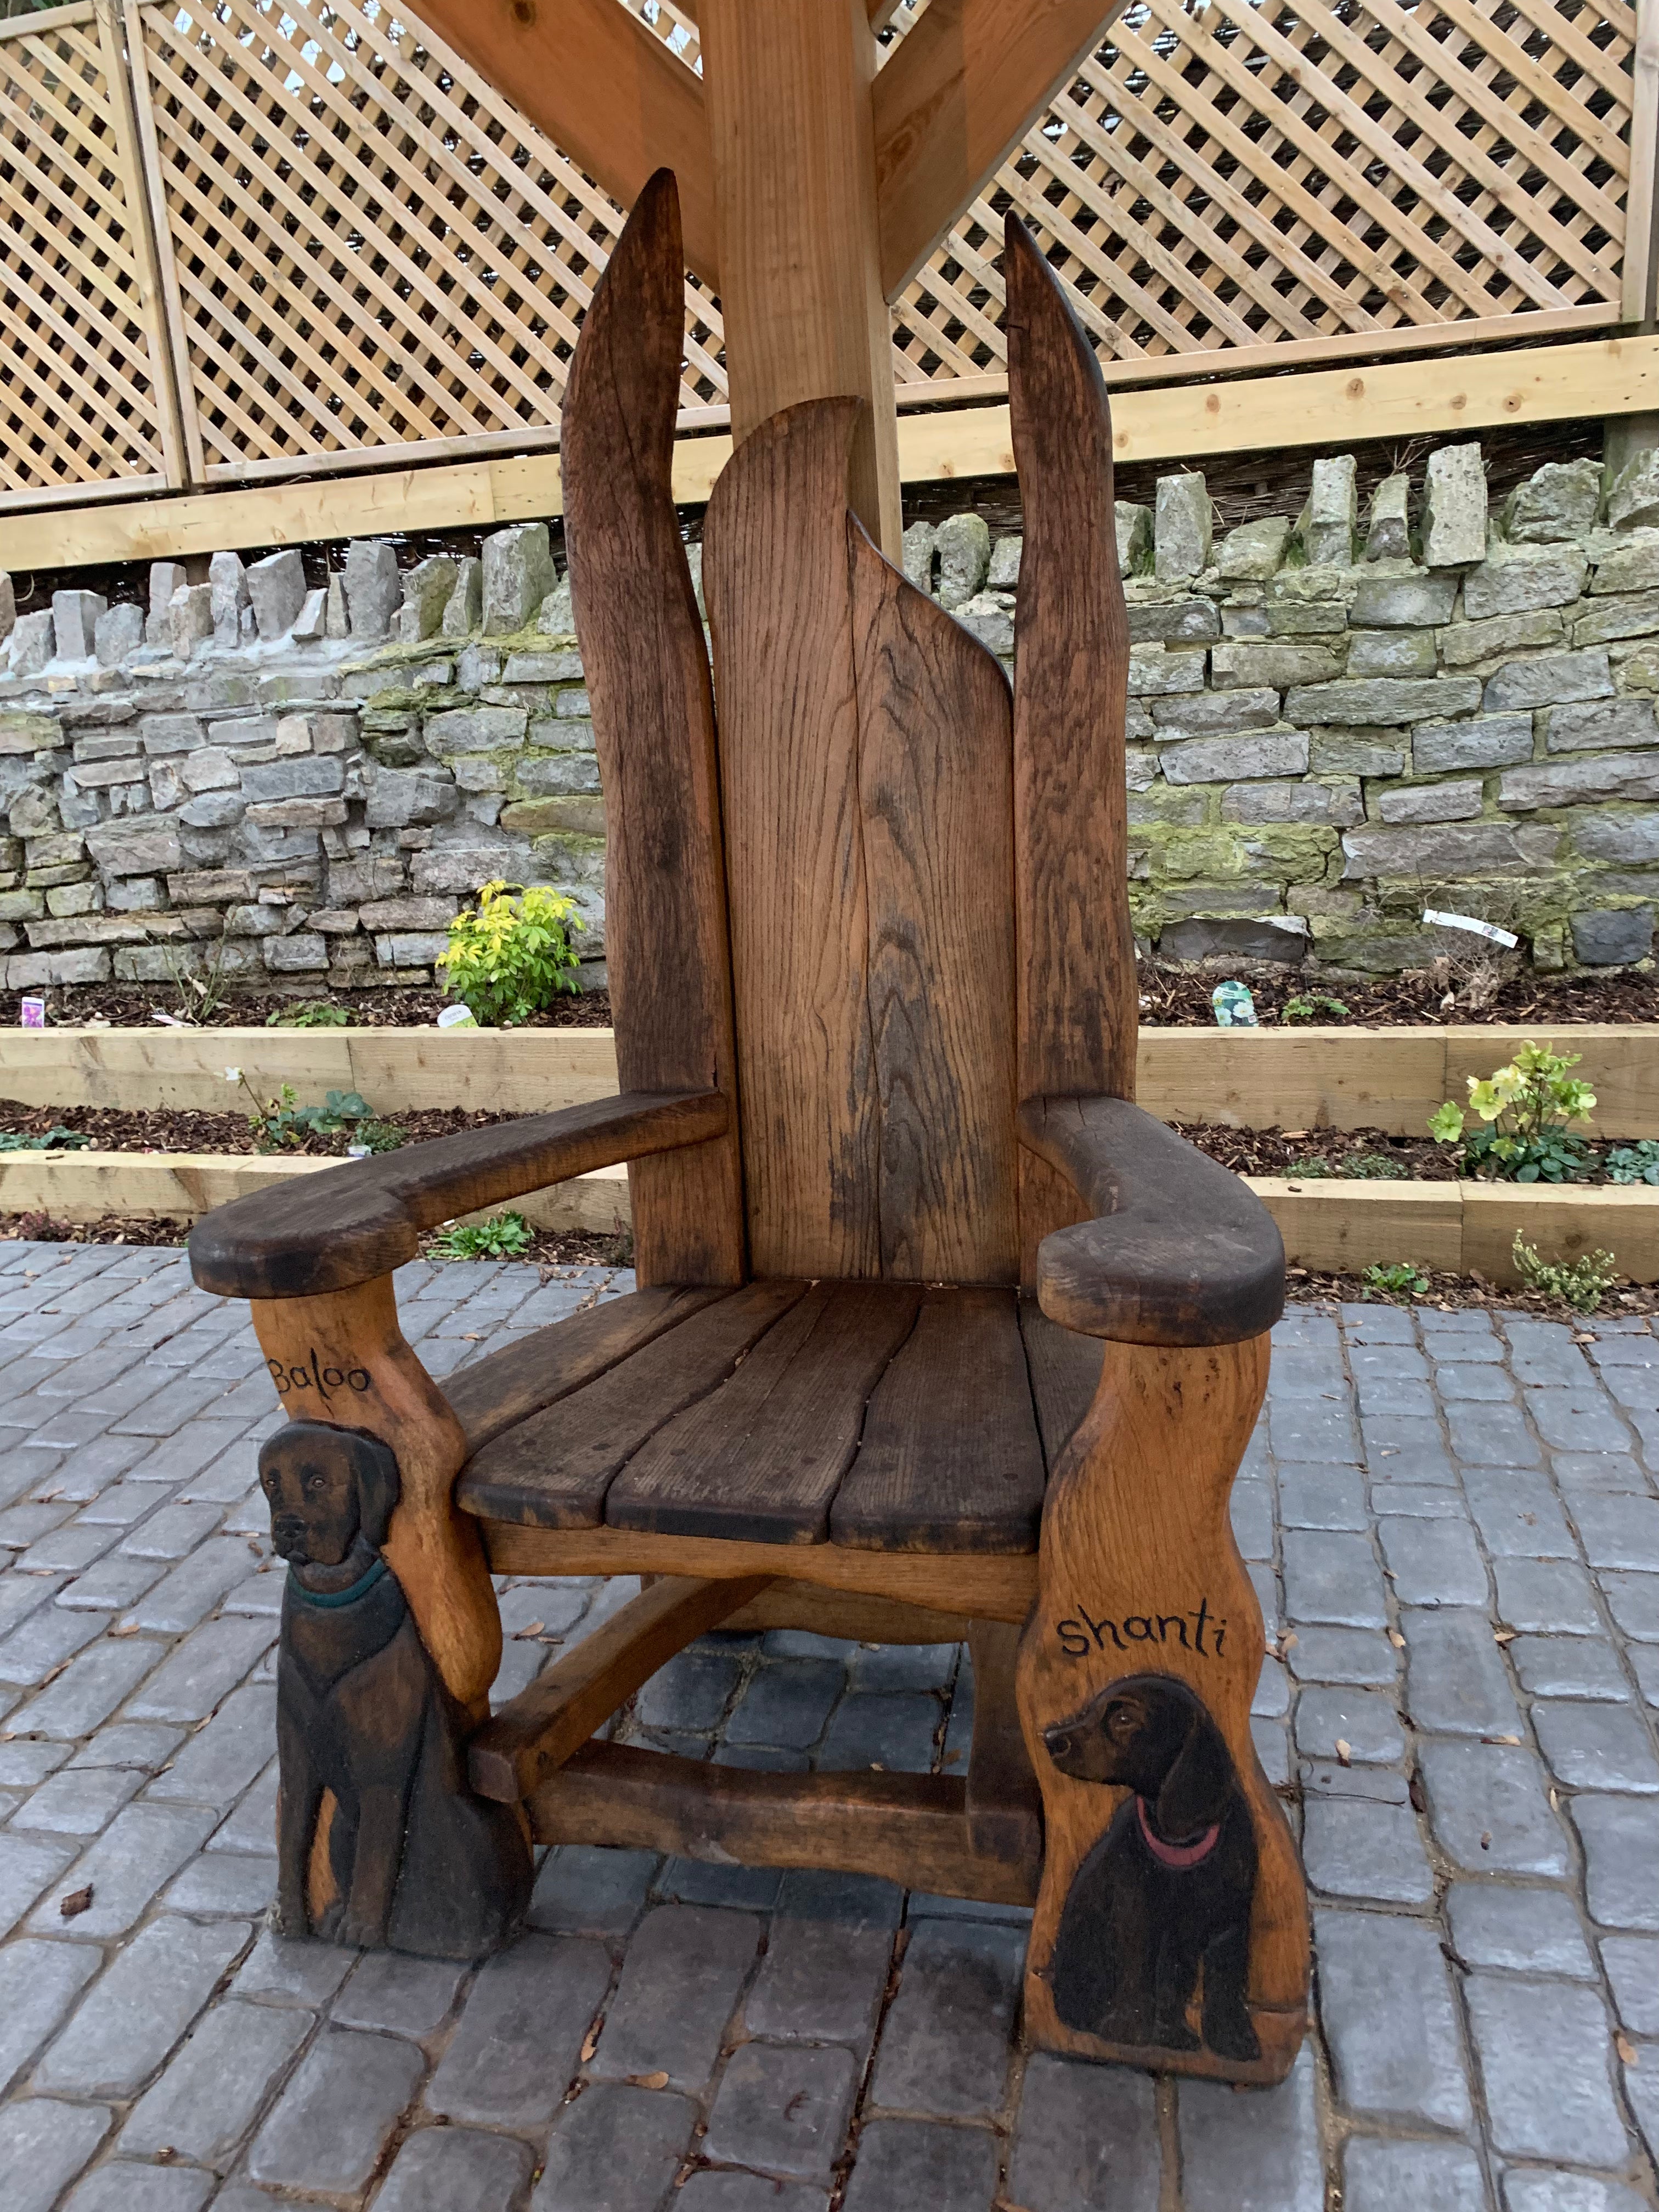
1177	1855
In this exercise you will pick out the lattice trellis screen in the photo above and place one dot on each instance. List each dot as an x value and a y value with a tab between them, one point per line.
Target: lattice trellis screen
372	249
1319	177
78	400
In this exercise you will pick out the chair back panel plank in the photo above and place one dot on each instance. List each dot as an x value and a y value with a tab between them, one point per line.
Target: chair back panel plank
774	575
762	1459
653	727
1077	1001
936	790
554	1470
950	1459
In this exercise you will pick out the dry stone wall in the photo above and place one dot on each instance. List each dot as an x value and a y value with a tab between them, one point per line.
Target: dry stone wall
1336	721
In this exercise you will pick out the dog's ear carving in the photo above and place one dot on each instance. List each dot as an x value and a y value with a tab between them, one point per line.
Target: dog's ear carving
1196	1788
379	1483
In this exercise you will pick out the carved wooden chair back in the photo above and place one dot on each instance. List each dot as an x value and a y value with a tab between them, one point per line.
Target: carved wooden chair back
878	895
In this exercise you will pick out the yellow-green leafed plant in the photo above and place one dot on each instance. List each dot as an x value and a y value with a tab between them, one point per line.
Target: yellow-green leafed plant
1581	1283
1523	1112
512	955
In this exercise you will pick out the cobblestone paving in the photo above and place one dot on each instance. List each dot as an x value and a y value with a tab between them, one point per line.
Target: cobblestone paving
1455	1529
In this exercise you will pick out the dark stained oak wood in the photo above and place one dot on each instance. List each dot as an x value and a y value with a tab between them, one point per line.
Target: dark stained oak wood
936	789
1179	1252
345	1226
1077	1000
1004	1803
1065	1372
554	1470
535	1733
492	1394
950	1458
775	577
647	673
907	1828
760	1460
853	1616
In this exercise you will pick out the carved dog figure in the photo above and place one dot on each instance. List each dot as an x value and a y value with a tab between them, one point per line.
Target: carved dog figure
1168	1888
417	1863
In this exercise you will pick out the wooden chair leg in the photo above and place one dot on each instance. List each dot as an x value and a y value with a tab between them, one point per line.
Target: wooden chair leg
1171	1926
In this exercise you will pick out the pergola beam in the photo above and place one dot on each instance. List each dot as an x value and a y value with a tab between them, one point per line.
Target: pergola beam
965	85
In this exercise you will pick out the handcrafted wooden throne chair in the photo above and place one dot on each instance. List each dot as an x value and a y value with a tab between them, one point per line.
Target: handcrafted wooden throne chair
937	1334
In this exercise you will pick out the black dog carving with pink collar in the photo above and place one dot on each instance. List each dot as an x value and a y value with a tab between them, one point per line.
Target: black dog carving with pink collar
1168	1888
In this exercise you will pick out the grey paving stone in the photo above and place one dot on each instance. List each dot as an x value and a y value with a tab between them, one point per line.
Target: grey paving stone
1364	1720
1312	1496
121	2187
1312	1429
517	2042
691	1691
143	1847
1366	1324
328	2128
79	1802
944	2047
1332	1578
1489	1435
1251	1510
44	2144
1271	1700
1252	2154
204	1666
894	1733
1609	1471
1517	1513
1433	1563
1525	1931
1086	2140
456	2170
819	1982
591	1892
1644	1665
1569	1666
238	1743
1618	1532
1424	2177
1455	1681
1390	2019
851	1900
1401	1449
215	2087
222	1884
615	2149
400	1995
45	1641
1633	1602
1554	1596
293	1971
1421	1501
146	1744
1620	1836
1389	1394
736	1889
1543	2051
1358	1848
787	1703
1597	1746
1531	2190
783	2108
39	1983
907	1666
111	1586
1579	1419
1490	1809
1304	1372
154	1989
88	1689
189	1591
724	2192
1631	1963
680	1983
1461	1379
1362	1656
1642	2092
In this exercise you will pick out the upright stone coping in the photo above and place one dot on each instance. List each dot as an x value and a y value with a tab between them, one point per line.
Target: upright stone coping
1318	750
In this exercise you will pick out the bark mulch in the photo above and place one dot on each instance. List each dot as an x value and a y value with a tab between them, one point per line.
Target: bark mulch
1179	998
130	1006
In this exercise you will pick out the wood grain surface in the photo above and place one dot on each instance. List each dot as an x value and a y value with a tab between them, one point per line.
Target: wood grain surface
647	673
1004	1803
936	795
1065	1372
1077	1000
950	1458
1136	1537
1177	1249
775	580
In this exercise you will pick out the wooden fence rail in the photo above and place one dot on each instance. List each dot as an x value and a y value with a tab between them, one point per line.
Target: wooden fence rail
249	239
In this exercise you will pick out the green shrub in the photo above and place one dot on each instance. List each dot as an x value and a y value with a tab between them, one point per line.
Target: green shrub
312	1014
503	1237
1310	1170
1400	1281
1581	1283
1313	1006
1376	1167
282	1122
1523	1110
57	1139
1637	1162
513	955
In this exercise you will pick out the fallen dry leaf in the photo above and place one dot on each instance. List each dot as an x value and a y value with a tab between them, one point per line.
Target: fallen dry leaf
1584	1336
124	1628
1503	1635
1344	1751
1500	1738
77	1902
520	1635
1396	1639
590	2043
1626	2048
657	2081
1289	1640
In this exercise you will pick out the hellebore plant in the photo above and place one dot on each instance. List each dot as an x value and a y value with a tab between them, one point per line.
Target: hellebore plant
1523	1112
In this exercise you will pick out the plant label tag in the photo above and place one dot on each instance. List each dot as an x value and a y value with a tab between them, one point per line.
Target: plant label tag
1466	921
32	1013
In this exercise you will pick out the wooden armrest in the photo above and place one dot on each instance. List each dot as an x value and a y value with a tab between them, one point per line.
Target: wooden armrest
326	1232
1181	1251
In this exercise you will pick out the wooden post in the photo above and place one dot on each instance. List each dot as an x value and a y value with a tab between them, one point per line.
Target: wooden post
789	99
1641	285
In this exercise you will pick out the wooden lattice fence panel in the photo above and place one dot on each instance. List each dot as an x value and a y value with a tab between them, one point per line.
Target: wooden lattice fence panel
371	248
79	401
1312	178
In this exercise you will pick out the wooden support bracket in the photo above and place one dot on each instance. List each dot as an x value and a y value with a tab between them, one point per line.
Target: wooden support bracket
545	1725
